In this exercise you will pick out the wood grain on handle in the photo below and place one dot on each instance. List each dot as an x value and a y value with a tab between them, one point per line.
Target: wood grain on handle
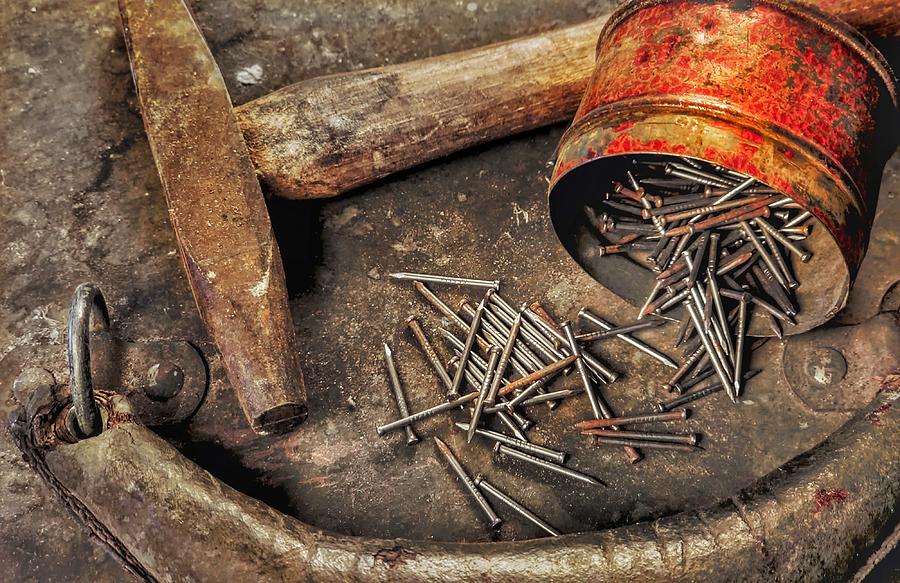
324	136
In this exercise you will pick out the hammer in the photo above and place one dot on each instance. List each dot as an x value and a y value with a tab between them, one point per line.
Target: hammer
319	138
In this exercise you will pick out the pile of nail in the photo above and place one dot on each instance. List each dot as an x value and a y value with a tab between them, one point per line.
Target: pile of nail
504	362
720	243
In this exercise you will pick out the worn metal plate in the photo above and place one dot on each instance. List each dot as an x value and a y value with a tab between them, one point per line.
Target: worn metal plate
84	203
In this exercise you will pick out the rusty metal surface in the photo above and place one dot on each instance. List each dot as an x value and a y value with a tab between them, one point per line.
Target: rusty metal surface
85	204
789	96
217	209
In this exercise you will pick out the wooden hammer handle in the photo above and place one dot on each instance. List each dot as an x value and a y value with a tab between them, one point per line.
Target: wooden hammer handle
324	136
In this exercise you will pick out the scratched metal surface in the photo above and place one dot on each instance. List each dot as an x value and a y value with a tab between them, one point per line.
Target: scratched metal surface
82	202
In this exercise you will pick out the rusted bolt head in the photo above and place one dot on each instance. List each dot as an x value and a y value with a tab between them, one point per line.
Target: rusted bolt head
824	366
165	380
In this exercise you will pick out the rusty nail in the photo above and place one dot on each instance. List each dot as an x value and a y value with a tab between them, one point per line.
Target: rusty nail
634	419
413	324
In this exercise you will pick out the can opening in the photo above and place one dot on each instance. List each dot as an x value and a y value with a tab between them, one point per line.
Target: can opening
577	199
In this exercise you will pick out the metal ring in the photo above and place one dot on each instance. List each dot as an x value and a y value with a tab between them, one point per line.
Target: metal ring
87	301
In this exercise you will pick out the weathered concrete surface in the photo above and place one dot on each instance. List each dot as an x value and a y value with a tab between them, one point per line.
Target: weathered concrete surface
82	202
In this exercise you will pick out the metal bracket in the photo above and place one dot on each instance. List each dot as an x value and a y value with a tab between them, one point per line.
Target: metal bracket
165	381
830	370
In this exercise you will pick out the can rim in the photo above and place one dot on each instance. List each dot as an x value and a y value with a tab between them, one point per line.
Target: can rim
851	37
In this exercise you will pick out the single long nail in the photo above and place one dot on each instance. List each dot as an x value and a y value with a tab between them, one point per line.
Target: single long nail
457	468
683	438
536	461
493	359
646	444
467	350
416	328
443	279
634	419
518	508
411	436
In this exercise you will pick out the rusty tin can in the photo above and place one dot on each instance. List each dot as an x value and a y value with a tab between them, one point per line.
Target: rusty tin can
781	92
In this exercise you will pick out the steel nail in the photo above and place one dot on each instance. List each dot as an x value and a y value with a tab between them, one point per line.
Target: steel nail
526	446
443	279
586	314
739	348
518	508
467	350
707	345
646	444
425	414
493	359
620	331
804	255
562	470
798	220
411	436
575	349
683	438
468	483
